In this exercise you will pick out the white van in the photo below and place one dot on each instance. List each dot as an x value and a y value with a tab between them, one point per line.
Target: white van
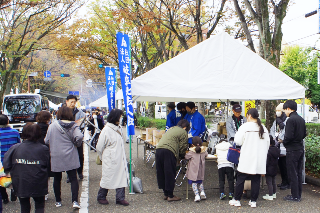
160	111
311	116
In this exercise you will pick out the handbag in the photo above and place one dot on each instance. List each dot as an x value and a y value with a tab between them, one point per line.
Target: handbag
233	154
98	161
205	135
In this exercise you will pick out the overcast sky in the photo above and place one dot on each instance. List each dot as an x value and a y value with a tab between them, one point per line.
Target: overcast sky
300	30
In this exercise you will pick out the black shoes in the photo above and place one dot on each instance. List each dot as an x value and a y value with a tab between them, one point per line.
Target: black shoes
290	198
284	187
13	195
80	176
5	201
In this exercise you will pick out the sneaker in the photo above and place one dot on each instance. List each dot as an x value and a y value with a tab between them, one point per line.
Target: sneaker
267	197
274	195
234	202
46	197
290	198
58	204
253	204
197	198
230	196
76	205
222	196
203	196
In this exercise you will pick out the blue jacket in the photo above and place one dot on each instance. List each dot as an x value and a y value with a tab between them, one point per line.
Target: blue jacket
171	119
197	125
8	138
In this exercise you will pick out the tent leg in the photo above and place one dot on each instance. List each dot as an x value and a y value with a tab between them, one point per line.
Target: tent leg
304	154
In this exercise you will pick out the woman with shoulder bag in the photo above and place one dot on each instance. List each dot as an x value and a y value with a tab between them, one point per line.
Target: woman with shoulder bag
63	137
110	148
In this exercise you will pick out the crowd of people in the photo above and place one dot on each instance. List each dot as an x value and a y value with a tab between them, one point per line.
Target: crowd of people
261	153
53	146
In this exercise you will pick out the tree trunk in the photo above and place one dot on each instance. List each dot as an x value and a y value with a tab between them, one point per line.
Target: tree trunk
270	113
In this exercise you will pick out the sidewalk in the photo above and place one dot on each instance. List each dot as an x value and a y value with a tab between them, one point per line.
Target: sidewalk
152	198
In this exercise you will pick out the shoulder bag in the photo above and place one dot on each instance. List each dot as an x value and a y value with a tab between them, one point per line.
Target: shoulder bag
233	154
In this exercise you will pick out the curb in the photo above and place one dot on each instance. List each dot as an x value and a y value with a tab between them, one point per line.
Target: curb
312	180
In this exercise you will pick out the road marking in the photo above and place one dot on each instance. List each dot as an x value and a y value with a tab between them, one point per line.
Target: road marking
84	199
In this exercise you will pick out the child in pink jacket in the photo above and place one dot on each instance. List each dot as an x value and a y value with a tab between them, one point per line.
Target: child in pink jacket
195	172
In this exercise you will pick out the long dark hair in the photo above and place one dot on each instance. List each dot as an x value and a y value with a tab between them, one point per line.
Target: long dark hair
254	114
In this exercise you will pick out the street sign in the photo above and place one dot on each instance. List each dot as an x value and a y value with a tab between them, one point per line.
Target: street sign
64	75
77	93
47	79
89	83
33	74
47	74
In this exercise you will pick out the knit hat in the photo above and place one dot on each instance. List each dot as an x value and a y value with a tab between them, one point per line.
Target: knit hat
280	107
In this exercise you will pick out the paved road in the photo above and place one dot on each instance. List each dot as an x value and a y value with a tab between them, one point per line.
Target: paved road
151	199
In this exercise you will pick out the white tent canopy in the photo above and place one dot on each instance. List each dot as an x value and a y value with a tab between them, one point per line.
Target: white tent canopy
54	106
217	69
103	101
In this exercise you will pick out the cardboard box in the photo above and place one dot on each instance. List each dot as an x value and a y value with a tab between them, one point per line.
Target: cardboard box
157	135
149	134
143	135
205	144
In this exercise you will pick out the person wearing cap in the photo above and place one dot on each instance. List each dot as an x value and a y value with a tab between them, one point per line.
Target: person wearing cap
234	122
77	114
196	120
277	132
173	117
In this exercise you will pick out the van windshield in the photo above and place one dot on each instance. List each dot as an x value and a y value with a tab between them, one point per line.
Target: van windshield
21	105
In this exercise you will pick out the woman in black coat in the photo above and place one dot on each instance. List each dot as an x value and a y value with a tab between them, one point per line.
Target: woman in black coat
28	164
43	118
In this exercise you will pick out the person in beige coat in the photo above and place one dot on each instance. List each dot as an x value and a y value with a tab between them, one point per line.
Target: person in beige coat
110	148
195	173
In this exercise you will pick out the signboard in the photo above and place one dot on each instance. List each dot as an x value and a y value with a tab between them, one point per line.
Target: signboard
33	74
47	74
111	87
76	93
89	83
47	79
248	105
124	56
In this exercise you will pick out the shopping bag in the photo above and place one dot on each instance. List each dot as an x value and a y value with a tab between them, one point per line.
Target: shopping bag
137	185
5	182
233	154
98	161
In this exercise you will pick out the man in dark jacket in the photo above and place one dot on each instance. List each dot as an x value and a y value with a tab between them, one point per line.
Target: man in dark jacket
295	132
78	114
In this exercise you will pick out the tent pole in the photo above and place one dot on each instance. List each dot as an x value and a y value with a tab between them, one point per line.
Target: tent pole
227	109
304	150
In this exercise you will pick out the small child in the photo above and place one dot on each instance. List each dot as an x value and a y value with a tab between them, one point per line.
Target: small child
272	163
196	166
225	167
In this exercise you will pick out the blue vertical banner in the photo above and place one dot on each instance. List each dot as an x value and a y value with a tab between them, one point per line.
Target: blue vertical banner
124	56
111	87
